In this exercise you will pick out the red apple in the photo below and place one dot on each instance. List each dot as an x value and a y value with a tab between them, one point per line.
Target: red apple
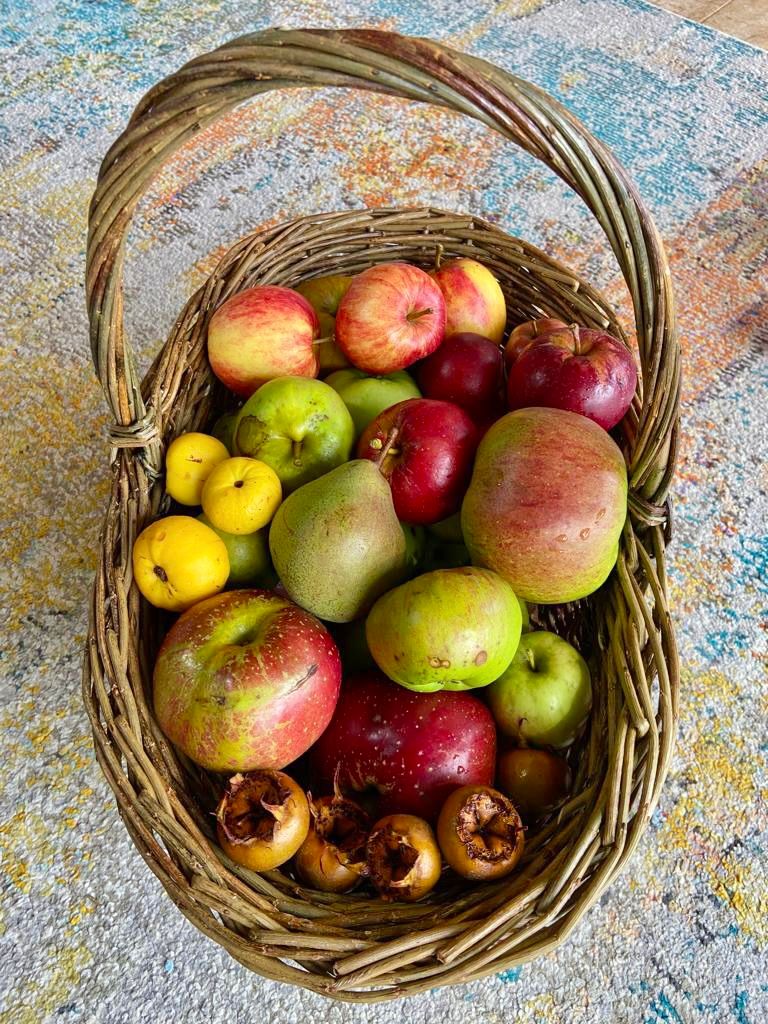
576	369
390	316
408	750
547	504
262	333
468	370
522	336
425	449
245	680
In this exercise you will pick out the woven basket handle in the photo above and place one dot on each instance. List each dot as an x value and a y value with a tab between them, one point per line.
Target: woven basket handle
178	107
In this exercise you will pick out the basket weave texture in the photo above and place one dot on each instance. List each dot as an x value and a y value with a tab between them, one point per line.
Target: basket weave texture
353	947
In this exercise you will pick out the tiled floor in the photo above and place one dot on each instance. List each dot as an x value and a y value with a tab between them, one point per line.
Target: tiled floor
744	19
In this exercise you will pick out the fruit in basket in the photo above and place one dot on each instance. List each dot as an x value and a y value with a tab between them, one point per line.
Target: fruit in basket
262	819
298	426
404	751
545	694
261	333
353	647
367	396
178	561
424	448
589	372
241	495
324	294
535	780
546	504
452	629
332	857
468	370
224	429
245	680
474	301
480	833
415	547
188	463
336	542
248	553
403	858
391	315
524	334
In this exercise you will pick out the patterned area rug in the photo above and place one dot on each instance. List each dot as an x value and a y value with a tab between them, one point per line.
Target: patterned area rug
86	934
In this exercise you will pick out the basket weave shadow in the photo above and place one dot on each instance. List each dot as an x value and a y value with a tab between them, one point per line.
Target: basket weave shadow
353	947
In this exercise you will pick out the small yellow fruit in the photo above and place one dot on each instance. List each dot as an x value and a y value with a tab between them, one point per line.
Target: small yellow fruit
188	463
178	561
241	495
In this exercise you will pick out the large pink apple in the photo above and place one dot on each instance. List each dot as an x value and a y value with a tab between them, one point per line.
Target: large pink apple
262	333
585	371
546	504
244	680
474	301
406	751
390	316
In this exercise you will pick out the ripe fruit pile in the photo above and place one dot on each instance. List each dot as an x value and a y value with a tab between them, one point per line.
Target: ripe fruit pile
354	591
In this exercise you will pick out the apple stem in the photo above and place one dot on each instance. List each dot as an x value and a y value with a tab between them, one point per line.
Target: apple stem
297	453
576	338
323	341
439	250
530	658
387	448
417	314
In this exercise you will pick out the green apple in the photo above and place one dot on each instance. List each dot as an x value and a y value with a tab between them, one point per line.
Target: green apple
448	529
526	617
249	561
451	629
297	425
367	396
544	696
324	295
224	430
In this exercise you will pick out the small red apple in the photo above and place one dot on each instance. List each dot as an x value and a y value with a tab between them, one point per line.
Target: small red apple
390	316
522	336
424	448
262	333
407	750
245	680
576	369
468	370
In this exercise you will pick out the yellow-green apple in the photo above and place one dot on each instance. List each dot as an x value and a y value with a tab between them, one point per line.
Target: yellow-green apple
468	370
366	396
249	562
262	333
424	448
246	680
391	315
546	504
544	696
474	301
325	294
521	336
589	372
404	751
224	430
298	426
451	629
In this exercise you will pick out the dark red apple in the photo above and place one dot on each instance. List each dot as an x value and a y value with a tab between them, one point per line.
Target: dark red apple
406	750
576	369
468	370
424	448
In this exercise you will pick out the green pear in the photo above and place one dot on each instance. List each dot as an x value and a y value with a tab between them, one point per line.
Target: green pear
337	544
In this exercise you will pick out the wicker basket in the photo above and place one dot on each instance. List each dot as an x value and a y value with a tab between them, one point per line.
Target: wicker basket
354	947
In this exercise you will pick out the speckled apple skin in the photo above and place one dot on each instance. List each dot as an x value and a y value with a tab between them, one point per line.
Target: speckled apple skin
409	749
244	680
546	504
